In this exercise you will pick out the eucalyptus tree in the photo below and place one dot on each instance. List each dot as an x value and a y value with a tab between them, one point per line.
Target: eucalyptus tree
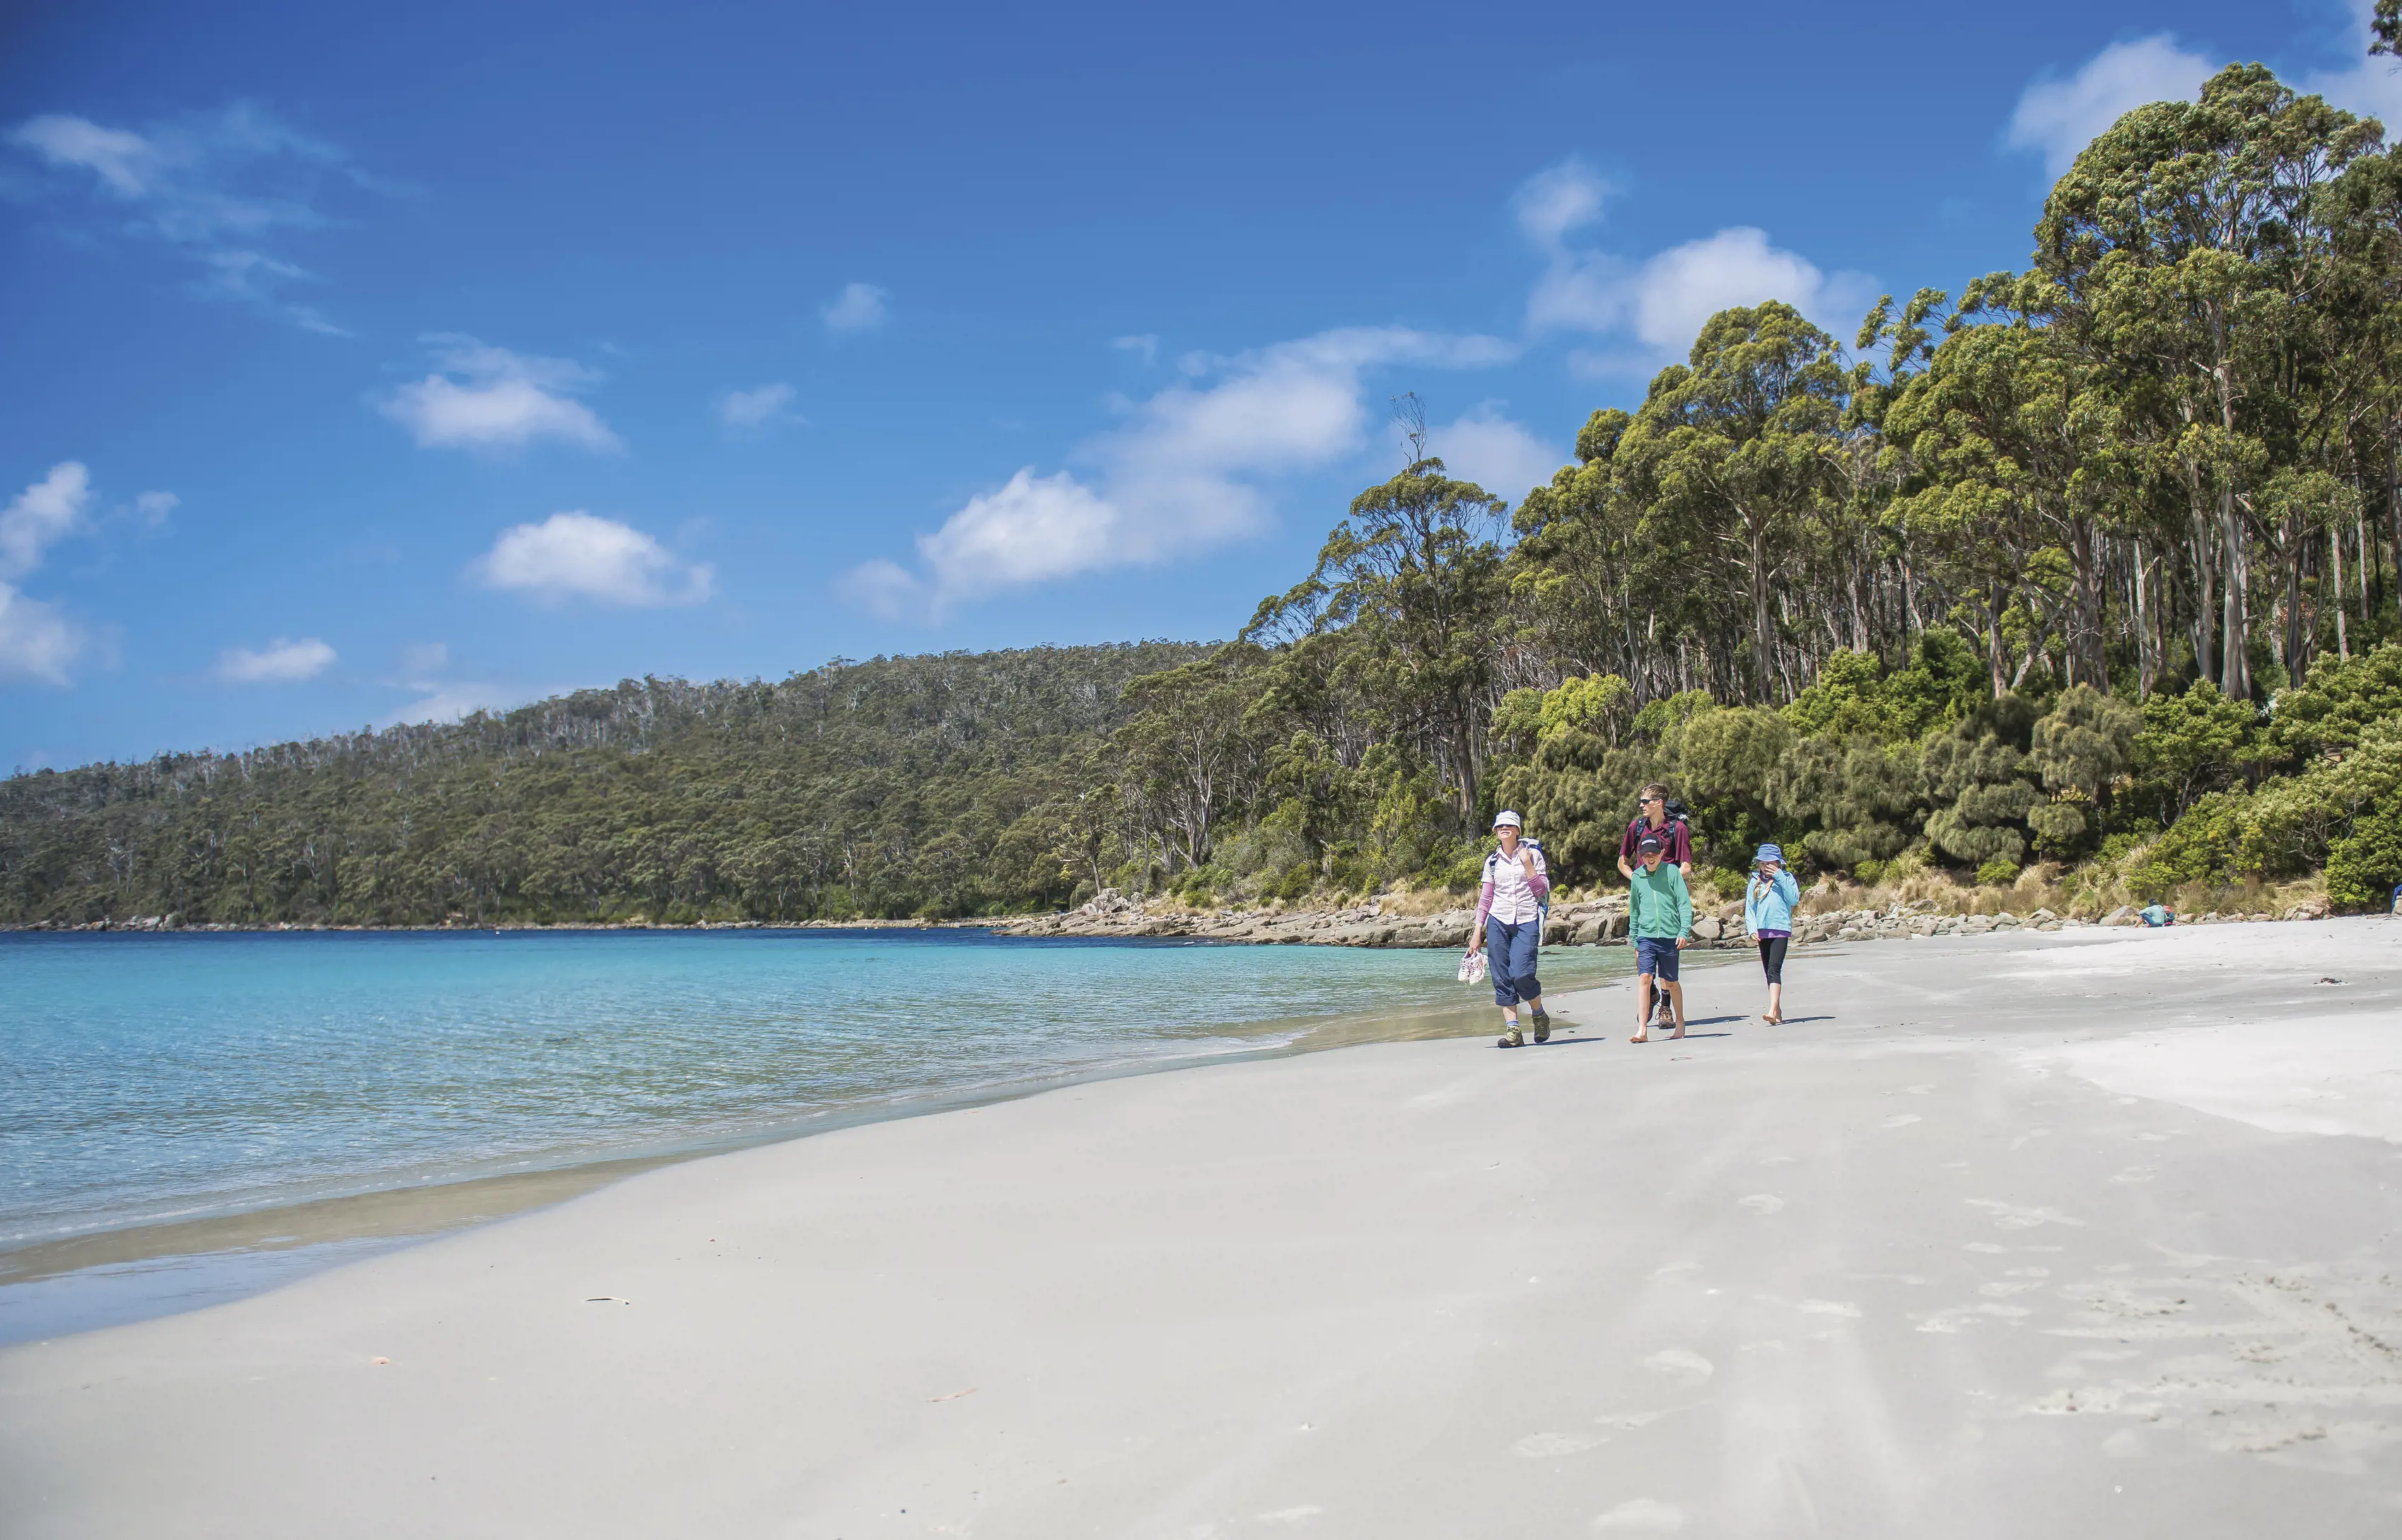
2017	448
1413	580
1732	446
2187	244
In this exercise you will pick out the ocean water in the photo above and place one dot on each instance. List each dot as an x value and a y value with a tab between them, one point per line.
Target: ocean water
153	1079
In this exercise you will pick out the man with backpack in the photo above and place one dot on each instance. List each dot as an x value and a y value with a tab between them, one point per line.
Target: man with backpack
1659	816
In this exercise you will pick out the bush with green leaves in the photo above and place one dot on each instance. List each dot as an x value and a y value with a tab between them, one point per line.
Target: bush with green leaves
1975	771
2192	743
2201	847
2338	701
2365	866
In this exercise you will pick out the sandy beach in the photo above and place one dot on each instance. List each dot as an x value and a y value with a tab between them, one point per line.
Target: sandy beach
2087	1234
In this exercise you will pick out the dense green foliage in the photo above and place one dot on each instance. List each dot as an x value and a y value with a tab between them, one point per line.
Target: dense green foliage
2099	561
893	787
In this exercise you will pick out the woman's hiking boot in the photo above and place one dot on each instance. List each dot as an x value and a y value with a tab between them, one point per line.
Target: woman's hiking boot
1511	1039
1542	1026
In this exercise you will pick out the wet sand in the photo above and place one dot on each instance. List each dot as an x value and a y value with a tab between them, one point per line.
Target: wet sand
2093	1233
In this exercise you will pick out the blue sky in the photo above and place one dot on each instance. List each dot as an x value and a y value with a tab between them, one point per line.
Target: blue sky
374	364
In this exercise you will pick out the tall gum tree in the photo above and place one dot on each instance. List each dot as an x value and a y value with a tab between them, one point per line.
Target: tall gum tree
2184	241
1736	444
1414	579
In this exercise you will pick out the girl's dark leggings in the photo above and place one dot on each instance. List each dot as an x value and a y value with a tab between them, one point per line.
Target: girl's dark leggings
1772	958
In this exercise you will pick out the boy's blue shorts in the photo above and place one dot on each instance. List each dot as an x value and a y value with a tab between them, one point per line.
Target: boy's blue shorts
1652	956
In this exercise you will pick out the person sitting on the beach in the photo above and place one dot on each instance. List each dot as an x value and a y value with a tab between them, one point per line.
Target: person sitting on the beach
1510	927
2157	914
1675	833
1660	919
1768	901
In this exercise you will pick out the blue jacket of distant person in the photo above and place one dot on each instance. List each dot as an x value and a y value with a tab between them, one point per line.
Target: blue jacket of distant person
1768	905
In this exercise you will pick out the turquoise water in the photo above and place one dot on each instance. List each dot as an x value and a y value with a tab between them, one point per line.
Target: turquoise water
167	1077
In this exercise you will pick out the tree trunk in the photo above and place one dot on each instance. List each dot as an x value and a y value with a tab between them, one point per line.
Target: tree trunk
2234	639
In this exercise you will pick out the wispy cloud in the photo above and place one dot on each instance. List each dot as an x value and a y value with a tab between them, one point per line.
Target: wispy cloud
859	308
1503	456
755	408
2370	86
1659	302
489	398
1145	344
579	555
280	662
2056	118
38	640
224	187
1182	474
41	515
424	672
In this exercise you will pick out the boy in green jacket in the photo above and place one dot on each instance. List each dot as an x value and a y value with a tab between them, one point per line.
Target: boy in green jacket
1660	920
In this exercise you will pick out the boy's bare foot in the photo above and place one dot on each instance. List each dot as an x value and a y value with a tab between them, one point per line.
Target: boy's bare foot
1673	1036
1642	1037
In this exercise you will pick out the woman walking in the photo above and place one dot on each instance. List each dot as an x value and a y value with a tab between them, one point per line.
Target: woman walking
1768	903
1510	928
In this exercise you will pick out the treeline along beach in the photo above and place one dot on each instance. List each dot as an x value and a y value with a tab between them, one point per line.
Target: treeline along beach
2089	568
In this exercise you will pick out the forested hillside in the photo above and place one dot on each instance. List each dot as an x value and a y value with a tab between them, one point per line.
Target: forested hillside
878	788
2092	568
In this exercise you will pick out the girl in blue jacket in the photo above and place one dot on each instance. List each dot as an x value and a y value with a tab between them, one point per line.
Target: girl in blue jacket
1768	901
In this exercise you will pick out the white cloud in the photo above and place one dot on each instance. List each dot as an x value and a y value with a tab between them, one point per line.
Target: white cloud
751	408
2370	86
217	186
1558	200
1499	454
486	397
1146	343
576	555
859	308
1663	300
2057	119
154	507
42	514
1179	475
423	660
452	702
37	640
280	662
126	163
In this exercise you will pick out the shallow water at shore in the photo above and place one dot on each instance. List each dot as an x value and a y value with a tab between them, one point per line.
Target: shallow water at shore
195	1117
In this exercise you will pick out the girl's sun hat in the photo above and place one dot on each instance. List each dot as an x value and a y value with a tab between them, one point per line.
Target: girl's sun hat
1768	853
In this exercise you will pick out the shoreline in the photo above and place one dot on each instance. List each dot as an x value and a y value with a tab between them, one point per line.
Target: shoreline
235	1252
2006	1234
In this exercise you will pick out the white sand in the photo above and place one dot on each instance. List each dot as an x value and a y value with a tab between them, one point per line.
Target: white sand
2082	1235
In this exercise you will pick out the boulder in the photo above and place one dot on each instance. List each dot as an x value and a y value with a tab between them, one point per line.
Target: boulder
2316	907
1709	928
2123	914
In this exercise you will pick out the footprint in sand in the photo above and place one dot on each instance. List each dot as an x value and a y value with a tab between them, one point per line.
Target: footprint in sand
1685	1369
1643	1515
1763	1202
1546	1446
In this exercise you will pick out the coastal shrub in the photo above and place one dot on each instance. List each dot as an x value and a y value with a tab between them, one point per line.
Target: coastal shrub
2338	702
2191	744
2364	866
1974	772
2080	748
1998	873
2199	846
